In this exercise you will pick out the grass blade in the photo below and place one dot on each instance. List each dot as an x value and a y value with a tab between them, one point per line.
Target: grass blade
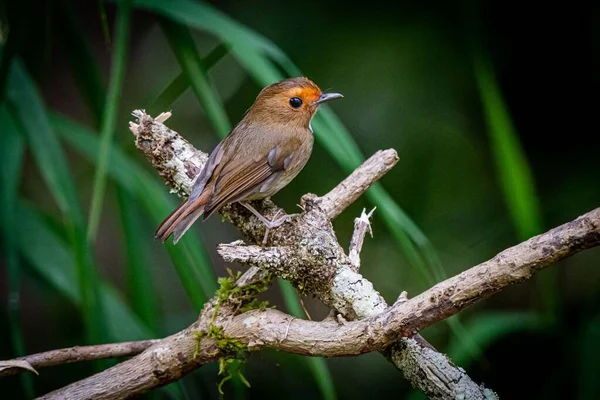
55	264
183	45
88	80
516	178
245	44
317	365
11	153
139	267
110	115
180	84
104	22
26	106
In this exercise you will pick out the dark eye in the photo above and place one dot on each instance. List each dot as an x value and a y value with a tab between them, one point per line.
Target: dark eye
295	102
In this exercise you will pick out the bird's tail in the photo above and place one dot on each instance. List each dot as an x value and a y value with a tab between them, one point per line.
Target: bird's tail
182	218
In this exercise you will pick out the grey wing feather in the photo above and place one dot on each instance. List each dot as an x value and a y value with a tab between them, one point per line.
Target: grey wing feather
207	171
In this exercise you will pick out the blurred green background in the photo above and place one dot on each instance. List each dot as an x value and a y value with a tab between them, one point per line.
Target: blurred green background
487	103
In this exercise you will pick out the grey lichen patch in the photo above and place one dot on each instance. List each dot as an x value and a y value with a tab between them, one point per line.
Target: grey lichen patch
184	155
175	159
434	374
356	295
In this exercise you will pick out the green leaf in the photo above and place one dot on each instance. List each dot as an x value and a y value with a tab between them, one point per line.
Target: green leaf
11	153
183	45
245	44
27	108
48	255
104	22
109	118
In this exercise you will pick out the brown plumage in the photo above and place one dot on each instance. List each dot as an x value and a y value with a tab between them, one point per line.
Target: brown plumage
261	155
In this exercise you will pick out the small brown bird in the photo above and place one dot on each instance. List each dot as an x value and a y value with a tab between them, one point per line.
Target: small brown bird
261	155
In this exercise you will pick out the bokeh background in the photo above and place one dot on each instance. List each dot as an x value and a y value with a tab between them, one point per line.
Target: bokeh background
490	105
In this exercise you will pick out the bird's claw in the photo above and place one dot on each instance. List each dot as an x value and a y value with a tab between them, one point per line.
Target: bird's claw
274	223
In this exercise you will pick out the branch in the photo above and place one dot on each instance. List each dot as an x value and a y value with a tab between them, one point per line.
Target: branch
172	357
84	353
406	317
351	188
320	267
362	224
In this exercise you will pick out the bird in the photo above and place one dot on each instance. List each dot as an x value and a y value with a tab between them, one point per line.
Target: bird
264	152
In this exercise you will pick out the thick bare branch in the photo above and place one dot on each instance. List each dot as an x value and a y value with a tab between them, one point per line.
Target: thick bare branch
165	362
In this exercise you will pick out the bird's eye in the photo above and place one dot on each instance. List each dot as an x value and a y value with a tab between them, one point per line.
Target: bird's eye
295	102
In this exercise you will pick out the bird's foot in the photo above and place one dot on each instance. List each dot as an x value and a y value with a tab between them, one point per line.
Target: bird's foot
272	224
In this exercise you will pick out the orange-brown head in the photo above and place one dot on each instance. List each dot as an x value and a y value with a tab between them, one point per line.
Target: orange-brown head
291	101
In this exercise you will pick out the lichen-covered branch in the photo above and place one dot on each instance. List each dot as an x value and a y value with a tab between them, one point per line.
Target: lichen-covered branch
513	265
329	274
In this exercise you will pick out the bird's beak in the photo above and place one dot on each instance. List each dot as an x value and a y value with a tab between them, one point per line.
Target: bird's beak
326	97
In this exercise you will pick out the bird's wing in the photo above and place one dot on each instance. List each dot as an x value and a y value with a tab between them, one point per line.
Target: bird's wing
240	176
203	177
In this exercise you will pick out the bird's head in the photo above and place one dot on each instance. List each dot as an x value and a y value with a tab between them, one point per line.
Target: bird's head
291	101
